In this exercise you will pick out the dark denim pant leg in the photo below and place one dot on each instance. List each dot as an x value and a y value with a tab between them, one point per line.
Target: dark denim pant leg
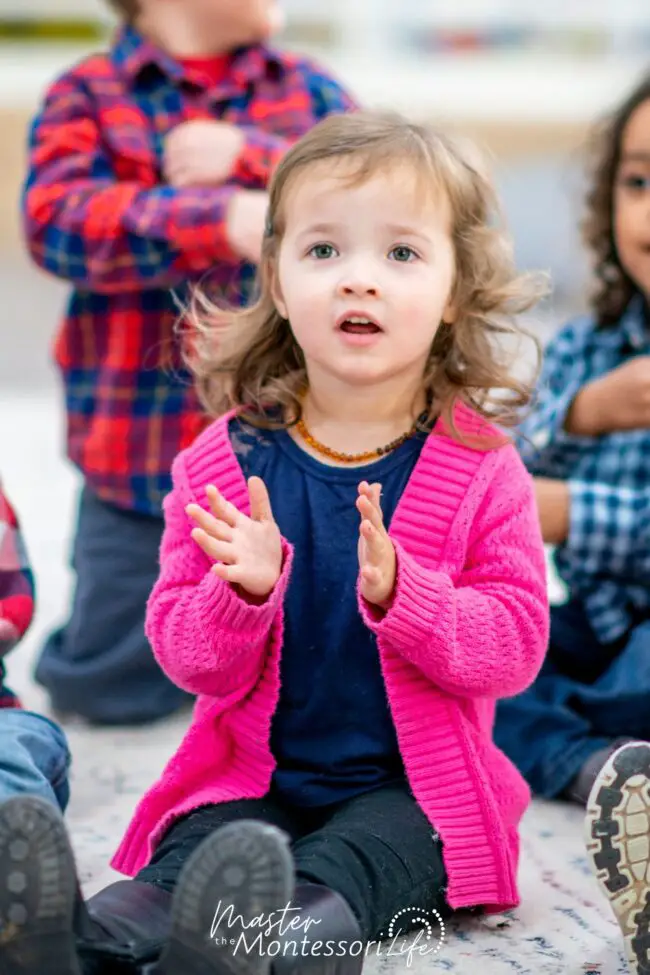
380	852
617	701
34	758
100	665
543	731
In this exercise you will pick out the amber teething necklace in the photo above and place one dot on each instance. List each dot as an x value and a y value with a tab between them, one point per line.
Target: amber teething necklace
367	455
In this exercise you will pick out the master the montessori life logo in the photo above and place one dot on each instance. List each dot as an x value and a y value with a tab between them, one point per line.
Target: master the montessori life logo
285	933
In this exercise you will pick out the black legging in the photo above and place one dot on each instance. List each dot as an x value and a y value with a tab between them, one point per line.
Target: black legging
377	850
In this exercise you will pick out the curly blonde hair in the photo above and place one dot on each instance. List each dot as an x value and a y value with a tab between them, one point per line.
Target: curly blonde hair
249	359
613	288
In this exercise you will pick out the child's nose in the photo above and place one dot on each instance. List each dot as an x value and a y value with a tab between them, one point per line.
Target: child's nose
359	288
359	283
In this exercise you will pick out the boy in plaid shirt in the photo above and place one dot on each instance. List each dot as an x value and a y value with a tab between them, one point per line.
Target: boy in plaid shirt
148	167
34	756
588	446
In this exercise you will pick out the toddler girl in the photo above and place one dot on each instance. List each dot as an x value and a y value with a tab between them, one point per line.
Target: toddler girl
351	574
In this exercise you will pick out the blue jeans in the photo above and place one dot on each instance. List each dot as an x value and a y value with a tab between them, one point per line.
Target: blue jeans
34	757
587	695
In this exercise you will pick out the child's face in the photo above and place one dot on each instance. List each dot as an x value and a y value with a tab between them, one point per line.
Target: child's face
377	250
224	24
632	199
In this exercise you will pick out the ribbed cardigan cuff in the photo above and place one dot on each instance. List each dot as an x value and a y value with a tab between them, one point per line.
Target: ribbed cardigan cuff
412	614
224	609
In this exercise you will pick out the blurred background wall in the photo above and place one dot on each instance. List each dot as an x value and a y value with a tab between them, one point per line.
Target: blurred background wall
524	77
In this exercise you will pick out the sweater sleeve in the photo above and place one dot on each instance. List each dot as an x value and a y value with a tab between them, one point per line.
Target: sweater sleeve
85	225
546	447
206	638
16	580
485	633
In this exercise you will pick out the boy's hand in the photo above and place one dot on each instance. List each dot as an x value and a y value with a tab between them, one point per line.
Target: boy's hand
247	551
201	153
377	559
246	222
620	400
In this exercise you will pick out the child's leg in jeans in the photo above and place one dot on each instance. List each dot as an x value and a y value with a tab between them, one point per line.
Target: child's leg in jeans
34	757
544	731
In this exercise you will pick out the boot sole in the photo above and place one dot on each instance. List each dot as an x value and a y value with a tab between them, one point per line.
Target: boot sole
617	828
244	869
37	891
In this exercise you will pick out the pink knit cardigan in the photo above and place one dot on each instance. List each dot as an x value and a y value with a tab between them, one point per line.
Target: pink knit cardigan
468	624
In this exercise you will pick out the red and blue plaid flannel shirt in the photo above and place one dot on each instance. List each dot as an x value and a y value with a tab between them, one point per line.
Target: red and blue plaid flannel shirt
16	591
98	215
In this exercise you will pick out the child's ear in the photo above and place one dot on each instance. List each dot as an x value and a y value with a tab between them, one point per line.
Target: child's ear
449	313
276	293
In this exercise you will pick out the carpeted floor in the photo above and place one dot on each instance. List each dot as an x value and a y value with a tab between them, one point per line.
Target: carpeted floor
563	925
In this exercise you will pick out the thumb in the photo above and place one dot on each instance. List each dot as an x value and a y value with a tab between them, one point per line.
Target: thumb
259	500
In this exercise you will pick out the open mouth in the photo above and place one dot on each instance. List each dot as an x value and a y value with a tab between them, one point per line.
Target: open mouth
358	325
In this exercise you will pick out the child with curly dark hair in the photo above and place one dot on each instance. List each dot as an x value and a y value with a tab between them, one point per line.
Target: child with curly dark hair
588	446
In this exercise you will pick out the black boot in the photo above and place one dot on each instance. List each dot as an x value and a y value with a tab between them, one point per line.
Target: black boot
38	887
241	872
319	914
45	927
127	922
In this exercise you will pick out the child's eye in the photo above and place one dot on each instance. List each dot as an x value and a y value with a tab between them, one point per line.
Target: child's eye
322	251
403	254
633	181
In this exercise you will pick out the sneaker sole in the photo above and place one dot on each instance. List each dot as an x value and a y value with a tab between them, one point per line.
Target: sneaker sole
37	891
244	869
617	827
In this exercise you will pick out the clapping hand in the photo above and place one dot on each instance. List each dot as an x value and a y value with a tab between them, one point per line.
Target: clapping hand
377	559
247	551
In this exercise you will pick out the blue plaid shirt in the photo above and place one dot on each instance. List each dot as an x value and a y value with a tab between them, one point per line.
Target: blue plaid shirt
605	561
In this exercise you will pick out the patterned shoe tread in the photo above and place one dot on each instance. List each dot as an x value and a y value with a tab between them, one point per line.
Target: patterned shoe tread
37	891
617	828
241	872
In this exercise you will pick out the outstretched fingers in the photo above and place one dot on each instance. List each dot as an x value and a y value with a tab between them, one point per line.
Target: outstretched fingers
221	509
375	543
370	511
208	523
214	549
260	503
